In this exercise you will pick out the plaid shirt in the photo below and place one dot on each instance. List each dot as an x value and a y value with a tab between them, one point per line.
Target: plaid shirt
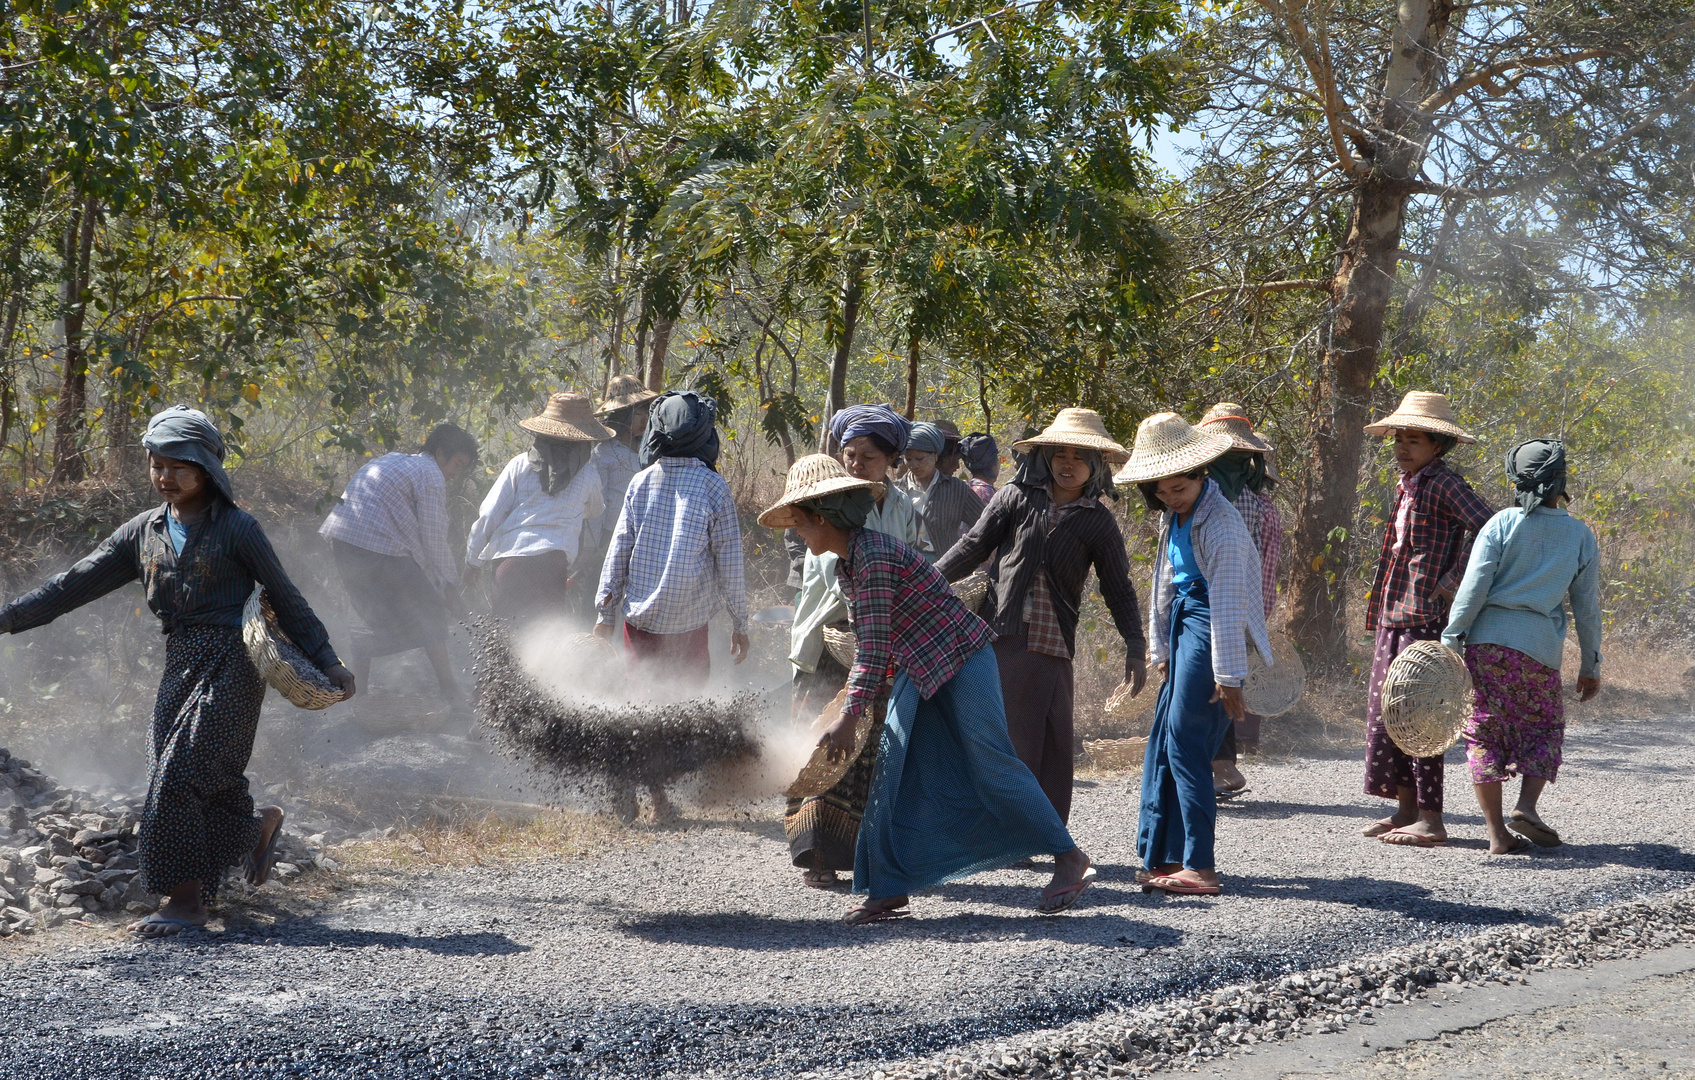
905	616
676	552
397	505
1042	632
1425	547
1231	568
1265	525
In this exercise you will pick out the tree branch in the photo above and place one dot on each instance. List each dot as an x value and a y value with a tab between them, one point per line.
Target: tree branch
1336	114
1486	75
1260	288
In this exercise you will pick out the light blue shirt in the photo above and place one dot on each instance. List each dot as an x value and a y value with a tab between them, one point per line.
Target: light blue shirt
1181	549
177	530
1523	571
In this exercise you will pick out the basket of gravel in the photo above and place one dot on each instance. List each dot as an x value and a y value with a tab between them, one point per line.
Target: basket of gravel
1426	699
279	661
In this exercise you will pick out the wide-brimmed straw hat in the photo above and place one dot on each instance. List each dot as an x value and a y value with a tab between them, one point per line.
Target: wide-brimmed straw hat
1422	411
569	417
1232	419
1167	445
812	476
1081	428
622	392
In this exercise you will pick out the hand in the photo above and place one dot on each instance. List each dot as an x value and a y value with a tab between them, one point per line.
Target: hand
1587	688
603	630
343	679
1232	698
838	741
468	580
738	647
1138	676
1446	594
1164	670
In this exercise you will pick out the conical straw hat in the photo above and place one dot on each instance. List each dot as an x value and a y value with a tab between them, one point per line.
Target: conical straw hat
569	417
1422	411
622	392
1077	427
810	477
1232	419
1166	445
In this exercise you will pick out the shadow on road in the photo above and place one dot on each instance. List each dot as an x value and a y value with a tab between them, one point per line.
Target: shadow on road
761	933
309	933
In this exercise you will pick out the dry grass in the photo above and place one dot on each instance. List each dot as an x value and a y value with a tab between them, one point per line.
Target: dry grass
490	840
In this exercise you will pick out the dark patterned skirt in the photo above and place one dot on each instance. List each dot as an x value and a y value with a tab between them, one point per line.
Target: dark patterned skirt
199	819
823	830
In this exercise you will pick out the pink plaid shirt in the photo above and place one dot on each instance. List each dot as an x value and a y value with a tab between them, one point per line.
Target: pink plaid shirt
1265	525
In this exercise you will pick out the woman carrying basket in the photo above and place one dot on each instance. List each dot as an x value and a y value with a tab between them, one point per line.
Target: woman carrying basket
1529	561
949	797
1044	531
197	558
1430	531
1206	612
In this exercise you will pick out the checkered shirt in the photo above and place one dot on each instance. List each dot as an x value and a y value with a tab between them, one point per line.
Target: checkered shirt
676	553
1042	632
905	616
397	505
1265	525
1231	567
1442	516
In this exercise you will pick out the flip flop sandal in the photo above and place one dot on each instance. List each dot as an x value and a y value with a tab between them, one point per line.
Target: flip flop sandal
1377	828
173	927
1224	794
259	870
866	913
1145	876
820	879
1520	846
1055	902
1180	887
1540	835
1410	839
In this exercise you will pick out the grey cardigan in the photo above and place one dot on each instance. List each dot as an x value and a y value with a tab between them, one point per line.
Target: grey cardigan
1231	566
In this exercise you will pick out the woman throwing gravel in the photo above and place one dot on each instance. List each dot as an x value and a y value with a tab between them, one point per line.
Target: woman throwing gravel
1207	610
949	796
197	558
1510	615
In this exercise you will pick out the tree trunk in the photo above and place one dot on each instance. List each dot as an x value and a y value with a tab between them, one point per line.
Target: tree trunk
912	375
852	289
14	309
655	376
71	414
1359	300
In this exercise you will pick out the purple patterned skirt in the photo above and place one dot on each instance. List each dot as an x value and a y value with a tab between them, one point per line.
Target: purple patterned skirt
1517	725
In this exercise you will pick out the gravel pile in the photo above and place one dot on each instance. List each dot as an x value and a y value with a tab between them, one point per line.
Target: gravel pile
68	854
1185	1032
570	742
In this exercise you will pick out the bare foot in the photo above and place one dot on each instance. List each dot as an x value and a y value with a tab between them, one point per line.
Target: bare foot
820	879
877	910
182	908
1397	820
1205	878
1424	832
1227	777
1163	870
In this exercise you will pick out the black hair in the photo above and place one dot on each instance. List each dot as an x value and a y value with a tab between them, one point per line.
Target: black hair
620	420
1150	488
448	441
1444	443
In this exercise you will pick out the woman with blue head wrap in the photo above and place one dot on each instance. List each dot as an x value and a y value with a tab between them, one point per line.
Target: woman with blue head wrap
946	505
198	557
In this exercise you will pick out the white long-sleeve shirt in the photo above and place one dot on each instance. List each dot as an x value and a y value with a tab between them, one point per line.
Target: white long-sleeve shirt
519	518
397	505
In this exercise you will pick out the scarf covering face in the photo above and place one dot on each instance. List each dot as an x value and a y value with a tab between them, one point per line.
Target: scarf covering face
927	438
1036	470
1239	469
681	423
878	420
844	509
558	461
188	435
979	453
1537	469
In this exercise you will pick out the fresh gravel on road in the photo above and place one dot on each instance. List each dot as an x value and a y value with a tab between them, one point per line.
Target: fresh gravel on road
699	953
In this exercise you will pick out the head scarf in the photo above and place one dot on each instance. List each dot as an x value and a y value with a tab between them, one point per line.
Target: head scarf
979	453
188	435
1538	470
558	461
681	423
928	438
1239	469
878	420
843	509
1036	470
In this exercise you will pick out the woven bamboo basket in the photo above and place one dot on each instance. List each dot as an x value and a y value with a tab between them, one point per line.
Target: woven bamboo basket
970	590
1426	699
280	663
1272	690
